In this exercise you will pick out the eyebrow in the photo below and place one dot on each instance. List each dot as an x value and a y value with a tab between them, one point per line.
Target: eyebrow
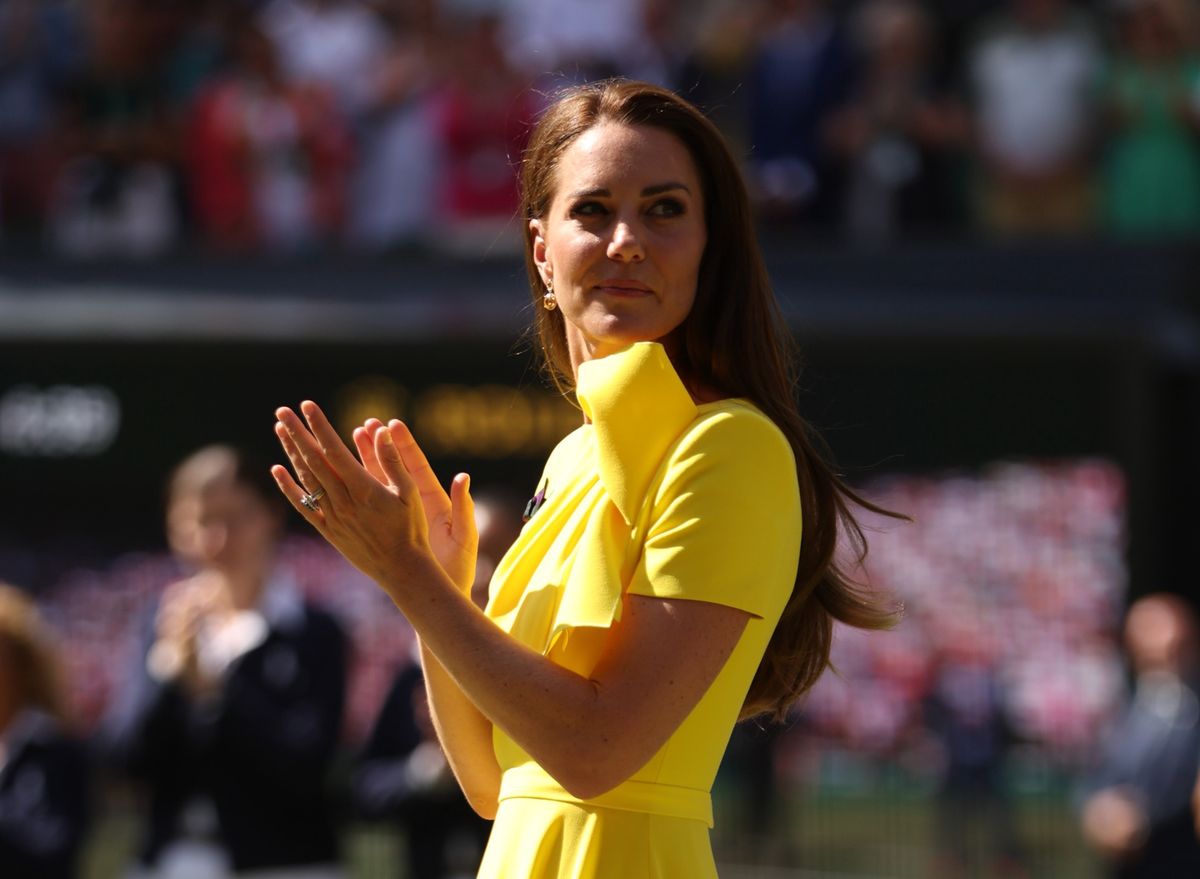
655	189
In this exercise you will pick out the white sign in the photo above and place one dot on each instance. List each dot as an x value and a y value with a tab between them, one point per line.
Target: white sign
62	421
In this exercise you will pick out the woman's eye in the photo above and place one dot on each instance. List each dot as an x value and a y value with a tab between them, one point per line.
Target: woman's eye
667	207
587	209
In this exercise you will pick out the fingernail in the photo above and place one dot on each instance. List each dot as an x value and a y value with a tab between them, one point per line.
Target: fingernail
387	437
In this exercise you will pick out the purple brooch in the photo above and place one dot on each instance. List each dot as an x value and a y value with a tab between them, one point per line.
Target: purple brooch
535	502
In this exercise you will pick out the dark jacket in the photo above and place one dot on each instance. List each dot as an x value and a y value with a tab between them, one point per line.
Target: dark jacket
259	751
44	800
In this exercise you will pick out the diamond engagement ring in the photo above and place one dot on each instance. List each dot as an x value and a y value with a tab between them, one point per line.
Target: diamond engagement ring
309	501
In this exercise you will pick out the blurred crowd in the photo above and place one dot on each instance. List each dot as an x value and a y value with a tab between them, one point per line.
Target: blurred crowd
1020	572
131	127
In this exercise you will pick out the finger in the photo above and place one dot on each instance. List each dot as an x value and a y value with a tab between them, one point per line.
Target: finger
364	442
305	476
392	463
293	492
311	454
462	511
332	447
433	496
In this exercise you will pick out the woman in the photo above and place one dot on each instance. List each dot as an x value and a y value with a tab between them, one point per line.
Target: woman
1152	168
44	791
660	590
233	715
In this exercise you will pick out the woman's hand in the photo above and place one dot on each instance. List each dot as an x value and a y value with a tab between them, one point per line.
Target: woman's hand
453	536
374	512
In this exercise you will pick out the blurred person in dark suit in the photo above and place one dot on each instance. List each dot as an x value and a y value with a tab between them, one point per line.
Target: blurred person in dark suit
803	71
1138	813
403	775
44	778
966	711
234	712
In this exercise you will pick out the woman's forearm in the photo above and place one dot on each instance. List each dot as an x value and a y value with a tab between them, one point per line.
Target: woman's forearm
551	712
589	734
466	737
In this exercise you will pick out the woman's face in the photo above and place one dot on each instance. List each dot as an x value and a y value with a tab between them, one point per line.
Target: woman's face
622	240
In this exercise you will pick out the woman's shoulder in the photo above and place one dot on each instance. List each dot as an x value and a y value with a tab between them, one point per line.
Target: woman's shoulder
734	426
566	450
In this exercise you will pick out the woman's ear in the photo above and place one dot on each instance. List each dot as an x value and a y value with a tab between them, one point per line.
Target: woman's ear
537	231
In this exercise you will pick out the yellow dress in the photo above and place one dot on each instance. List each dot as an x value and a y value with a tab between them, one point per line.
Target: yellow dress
657	496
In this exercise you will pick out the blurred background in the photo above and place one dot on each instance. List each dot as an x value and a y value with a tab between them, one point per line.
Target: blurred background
981	217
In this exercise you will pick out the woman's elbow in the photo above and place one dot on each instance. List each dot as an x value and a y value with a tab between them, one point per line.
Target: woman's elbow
590	788
586	779
483	804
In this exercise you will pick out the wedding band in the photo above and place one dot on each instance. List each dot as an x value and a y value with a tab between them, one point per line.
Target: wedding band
309	501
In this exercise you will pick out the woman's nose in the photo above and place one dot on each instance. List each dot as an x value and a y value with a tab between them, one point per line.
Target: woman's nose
625	244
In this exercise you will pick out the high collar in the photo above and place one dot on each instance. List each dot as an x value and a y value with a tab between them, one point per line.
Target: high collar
638	407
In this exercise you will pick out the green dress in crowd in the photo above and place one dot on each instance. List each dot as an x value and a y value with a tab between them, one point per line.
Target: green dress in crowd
1152	178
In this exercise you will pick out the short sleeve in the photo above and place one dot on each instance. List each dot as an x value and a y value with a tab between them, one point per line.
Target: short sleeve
724	523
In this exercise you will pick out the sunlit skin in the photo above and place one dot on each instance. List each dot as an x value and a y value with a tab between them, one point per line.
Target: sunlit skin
622	240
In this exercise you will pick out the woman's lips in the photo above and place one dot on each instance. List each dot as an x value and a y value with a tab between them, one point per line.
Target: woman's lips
621	287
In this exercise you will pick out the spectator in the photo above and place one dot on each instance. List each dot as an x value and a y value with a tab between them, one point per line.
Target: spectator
403	777
380	63
957	21
44	796
394	188
333	44
1034	74
573	41
802	72
484	115
233	714
40	50
119	192
896	132
966	713
1138	812
268	160
723	46
1152	174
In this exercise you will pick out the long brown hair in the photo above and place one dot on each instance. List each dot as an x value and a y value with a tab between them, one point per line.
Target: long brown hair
735	311
35	669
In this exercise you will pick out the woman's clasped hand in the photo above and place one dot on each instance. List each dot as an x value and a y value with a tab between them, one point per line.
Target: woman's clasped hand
385	510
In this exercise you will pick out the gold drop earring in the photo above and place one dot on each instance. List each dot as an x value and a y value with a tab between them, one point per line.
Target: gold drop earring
549	302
